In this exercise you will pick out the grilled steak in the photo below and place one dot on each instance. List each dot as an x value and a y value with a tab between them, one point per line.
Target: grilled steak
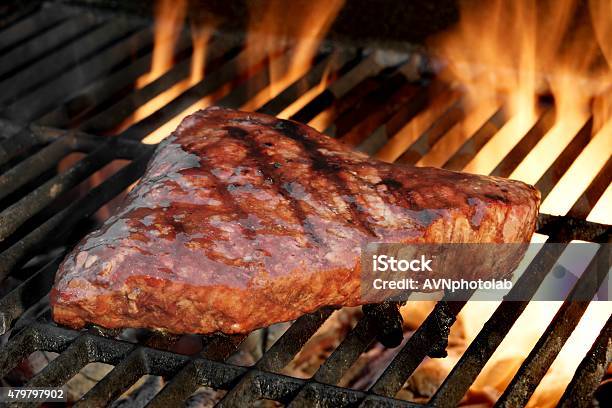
243	220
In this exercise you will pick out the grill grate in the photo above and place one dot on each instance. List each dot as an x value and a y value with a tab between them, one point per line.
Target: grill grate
64	67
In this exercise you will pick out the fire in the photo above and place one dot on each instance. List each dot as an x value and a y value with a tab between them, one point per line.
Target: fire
284	35
306	96
170	18
413	129
510	53
492	54
200	37
504	363
514	51
296	27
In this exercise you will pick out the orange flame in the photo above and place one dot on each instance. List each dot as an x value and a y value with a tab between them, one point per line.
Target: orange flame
170	18
512	51
200	37
297	27
508	53
285	34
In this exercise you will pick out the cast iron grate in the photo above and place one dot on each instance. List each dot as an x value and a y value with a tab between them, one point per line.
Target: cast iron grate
64	67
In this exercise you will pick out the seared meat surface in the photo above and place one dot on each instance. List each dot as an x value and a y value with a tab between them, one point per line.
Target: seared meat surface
242	220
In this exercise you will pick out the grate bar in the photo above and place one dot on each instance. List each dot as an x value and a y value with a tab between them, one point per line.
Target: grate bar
126	373
178	389
395	94
354	105
247	90
36	47
33	338
35	165
526	144
556	334
378	321
429	339
112	116
44	69
343	357
339	96
63	367
17	144
226	73
583	206
556	170
376	401
257	385
291	342
280	354
93	96
382	137
218	347
196	373
85	349
65	219
423	144
35	24
568	228
37	286
8	129
329	63
85	142
18	213
326	396
476	142
376	128
98	95
494	330
590	372
69	83
17	349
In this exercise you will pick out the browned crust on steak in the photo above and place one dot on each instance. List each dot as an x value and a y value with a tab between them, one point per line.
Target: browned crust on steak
243	220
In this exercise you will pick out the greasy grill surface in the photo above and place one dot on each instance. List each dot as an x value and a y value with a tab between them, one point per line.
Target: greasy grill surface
88	62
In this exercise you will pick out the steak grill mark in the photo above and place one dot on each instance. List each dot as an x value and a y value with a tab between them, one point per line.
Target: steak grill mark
321	165
223	190
257	154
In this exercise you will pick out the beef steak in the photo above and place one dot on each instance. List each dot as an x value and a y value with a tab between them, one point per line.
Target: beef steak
242	220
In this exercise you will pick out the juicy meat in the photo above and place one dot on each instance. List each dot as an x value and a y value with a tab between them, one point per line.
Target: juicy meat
243	220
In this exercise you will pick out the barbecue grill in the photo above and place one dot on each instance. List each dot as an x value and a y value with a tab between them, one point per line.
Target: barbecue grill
67	74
